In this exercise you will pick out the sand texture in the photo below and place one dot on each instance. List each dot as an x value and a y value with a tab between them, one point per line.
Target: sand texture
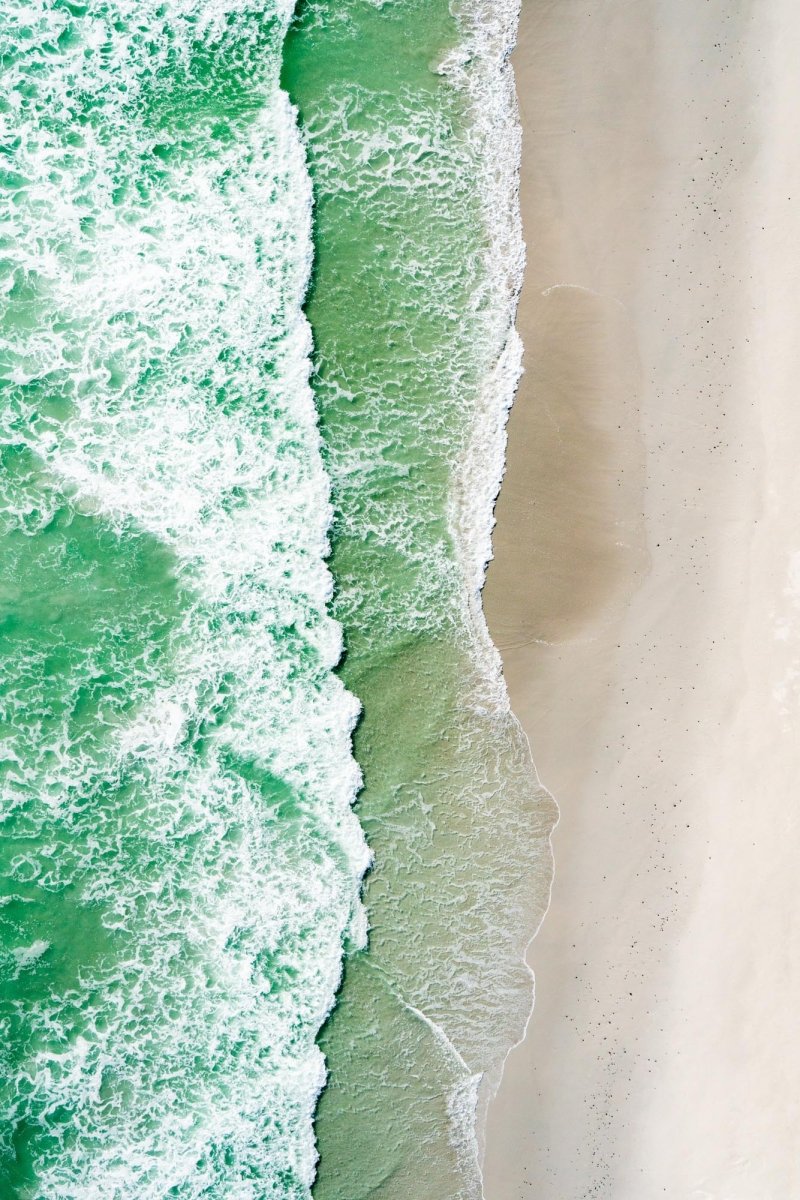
645	596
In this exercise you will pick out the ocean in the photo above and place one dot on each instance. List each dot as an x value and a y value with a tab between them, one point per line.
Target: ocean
259	273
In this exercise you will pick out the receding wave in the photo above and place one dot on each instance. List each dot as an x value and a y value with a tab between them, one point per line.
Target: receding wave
409	114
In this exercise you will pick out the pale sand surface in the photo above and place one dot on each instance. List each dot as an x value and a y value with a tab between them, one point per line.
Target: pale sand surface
646	598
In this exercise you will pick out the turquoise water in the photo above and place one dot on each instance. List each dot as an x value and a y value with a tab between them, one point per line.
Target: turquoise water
181	862
409	120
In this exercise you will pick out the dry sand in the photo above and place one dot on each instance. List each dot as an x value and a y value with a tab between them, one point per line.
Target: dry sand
646	598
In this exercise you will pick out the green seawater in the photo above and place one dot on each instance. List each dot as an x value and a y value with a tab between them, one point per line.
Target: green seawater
247	459
409	323
179	860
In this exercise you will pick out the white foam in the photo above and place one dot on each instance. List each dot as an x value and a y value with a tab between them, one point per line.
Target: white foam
481	67
185	1052
26	956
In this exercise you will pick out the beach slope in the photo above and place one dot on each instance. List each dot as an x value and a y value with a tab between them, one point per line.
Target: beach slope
645	596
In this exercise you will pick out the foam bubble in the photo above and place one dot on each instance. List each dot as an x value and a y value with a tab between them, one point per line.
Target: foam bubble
178	821
415	390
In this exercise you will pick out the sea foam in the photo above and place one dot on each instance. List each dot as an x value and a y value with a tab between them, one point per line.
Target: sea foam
413	140
180	857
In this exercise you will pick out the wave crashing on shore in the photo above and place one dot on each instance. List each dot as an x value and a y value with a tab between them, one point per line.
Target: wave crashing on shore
180	857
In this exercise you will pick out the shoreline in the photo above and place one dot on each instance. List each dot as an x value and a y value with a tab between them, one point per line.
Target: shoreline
645	598
487	42
436	746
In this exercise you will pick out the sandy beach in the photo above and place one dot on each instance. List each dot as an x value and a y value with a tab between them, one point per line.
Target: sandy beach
645	596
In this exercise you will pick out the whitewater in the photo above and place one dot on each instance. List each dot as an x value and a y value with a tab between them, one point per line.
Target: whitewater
217	531
180	860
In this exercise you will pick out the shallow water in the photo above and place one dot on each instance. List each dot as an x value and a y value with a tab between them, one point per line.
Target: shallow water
411	306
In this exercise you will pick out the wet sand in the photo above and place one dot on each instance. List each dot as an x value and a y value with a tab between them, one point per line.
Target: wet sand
645	595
